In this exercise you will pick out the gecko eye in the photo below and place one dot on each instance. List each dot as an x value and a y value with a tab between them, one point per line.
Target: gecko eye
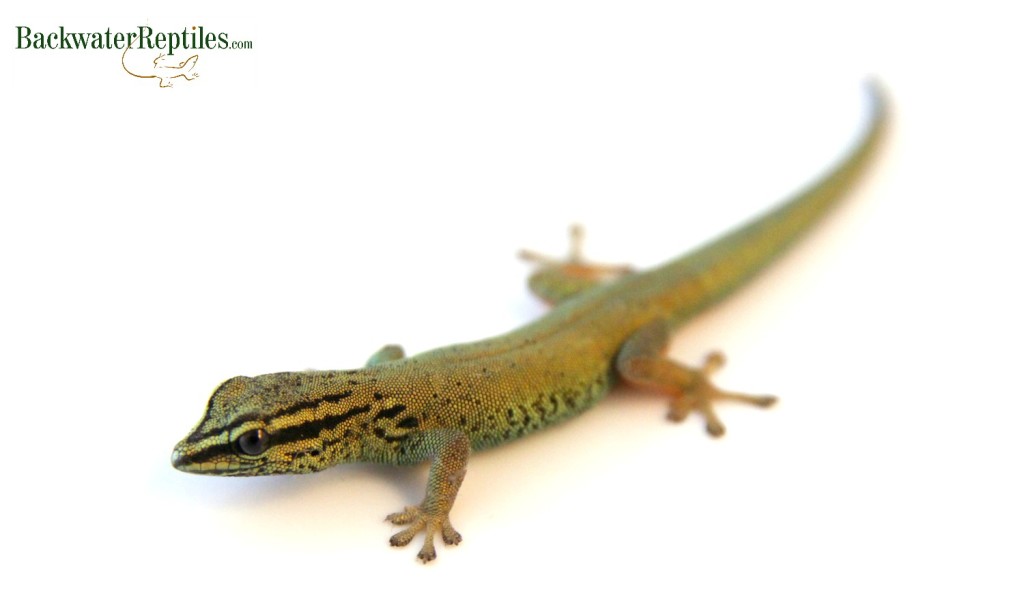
253	442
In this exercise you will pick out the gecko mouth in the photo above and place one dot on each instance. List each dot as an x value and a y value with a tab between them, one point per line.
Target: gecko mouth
210	461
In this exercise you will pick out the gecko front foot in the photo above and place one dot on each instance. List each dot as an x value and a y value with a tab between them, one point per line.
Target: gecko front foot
700	392
419	520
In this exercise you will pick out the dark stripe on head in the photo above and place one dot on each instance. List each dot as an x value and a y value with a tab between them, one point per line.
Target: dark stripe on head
205	455
198	436
312	404
305	405
312	429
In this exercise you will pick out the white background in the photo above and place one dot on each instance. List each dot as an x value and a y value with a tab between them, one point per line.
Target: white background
366	174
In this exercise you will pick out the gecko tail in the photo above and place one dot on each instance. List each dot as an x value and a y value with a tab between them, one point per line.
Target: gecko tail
740	254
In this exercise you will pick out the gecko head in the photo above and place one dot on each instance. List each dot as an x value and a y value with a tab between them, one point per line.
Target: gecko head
277	423
232	438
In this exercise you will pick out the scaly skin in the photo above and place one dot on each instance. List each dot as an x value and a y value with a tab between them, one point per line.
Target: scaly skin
443	404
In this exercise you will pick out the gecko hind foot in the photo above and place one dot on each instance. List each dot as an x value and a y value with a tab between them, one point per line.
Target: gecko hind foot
556	280
574	262
642	362
419	520
701	392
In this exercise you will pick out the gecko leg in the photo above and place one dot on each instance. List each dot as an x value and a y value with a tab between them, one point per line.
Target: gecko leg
450	451
556	280
641	362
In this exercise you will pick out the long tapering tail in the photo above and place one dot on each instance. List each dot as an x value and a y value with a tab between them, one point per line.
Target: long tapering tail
730	260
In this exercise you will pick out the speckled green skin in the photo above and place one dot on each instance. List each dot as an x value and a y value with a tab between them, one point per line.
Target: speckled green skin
444	403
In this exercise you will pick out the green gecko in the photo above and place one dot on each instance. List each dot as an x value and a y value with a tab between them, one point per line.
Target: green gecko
608	325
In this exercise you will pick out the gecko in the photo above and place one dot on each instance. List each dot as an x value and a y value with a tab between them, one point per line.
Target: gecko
608	325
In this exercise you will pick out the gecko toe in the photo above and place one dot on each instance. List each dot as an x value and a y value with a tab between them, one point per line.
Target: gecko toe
403	538
419	520
449	534
403	517
428	553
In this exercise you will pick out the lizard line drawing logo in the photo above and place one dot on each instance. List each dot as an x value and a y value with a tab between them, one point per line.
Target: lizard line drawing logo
144	42
163	69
